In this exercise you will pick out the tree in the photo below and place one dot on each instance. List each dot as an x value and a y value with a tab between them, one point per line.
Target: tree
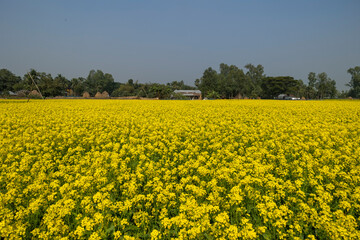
310	89
43	80
8	80
302	89
325	86
354	83
232	81
97	81
60	85
213	95
179	85
197	83
320	86
124	90
130	82
160	91
208	82
255	75
312	79
273	86
49	87
331	91
78	85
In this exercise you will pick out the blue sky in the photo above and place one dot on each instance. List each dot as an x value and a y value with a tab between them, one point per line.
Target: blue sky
164	41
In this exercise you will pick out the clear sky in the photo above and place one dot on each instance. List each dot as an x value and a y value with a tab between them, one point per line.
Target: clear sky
173	40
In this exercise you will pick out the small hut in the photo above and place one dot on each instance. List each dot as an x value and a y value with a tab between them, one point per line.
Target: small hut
189	94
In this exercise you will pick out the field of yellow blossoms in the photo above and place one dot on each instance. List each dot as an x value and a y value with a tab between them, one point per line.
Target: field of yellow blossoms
226	169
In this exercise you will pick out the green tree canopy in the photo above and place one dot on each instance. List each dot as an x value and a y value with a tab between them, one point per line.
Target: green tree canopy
273	86
209	81
325	86
255	75
160	91
179	85
232	81
354	83
97	81
8	80
124	90
78	85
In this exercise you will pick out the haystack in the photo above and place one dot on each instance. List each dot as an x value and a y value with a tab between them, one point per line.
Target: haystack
238	96
303	98
34	94
98	95
86	95
105	94
21	93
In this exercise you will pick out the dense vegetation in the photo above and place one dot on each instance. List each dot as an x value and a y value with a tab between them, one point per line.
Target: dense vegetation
232	81
229	82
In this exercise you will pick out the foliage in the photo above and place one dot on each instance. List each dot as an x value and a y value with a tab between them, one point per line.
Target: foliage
354	83
256	76
208	82
124	90
175	85
321	86
160	91
78	86
179	169
7	81
97	81
228	83
48	85
178	96
273	86
213	95
231	81
325	86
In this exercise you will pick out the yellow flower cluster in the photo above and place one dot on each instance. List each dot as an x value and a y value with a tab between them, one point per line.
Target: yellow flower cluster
112	169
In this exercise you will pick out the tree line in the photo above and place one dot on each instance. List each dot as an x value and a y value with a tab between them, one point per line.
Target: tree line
229	82
232	81
96	81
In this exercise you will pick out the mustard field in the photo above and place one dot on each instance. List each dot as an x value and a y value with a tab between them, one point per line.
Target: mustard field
226	169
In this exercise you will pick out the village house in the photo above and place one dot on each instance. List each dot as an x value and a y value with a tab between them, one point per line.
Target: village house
190	94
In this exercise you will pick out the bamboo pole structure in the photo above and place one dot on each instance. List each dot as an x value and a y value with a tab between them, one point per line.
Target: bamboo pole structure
36	85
